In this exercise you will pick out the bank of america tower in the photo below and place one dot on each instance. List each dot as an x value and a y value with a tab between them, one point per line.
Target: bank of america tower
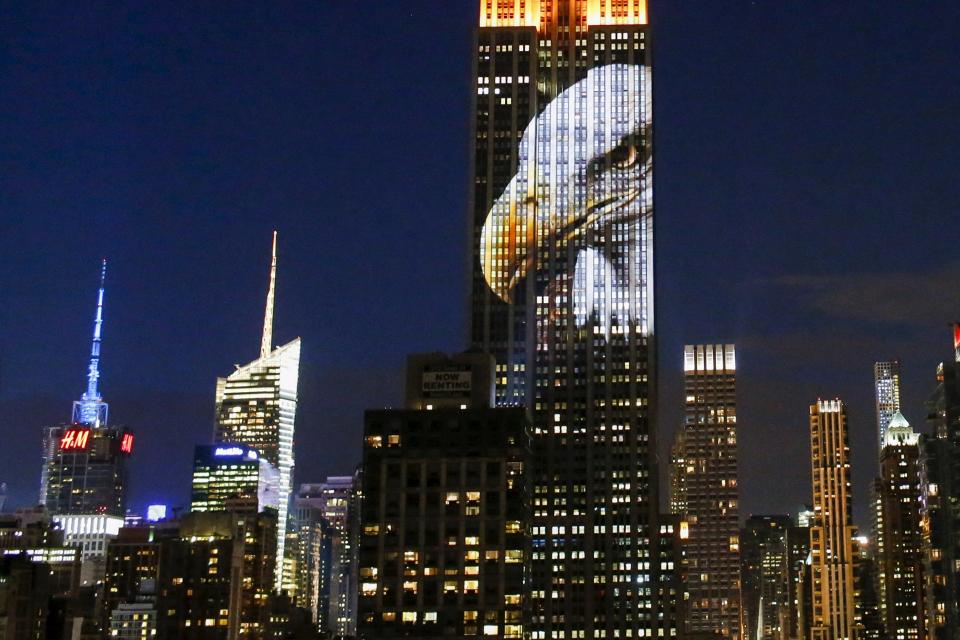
562	294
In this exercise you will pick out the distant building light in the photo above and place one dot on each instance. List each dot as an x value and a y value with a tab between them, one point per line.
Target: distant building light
156	512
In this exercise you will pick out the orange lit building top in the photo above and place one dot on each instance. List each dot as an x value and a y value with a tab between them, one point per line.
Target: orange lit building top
535	13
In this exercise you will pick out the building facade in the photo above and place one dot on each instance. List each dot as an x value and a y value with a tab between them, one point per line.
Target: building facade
832	530
562	294
225	475
704	489
886	382
940	473
216	576
765	577
256	405
337	503
443	543
312	558
900	562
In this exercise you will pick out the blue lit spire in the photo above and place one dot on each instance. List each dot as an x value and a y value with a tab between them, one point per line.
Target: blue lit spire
90	409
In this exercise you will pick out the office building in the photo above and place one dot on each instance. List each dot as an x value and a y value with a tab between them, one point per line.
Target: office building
704	489
256	405
337	501
134	621
832	530
562	294
940	479
39	577
765	577
444	512
899	563
886	377
800	605
216	576
313	557
233	477
868	622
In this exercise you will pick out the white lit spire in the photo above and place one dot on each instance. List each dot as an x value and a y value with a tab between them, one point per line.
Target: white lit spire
266	344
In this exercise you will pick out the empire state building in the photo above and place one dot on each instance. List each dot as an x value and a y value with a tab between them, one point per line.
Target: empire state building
562	294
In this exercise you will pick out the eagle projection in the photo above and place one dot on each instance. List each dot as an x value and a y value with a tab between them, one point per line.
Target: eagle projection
577	213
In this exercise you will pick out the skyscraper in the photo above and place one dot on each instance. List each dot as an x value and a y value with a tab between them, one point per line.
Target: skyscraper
562	293
940	478
886	376
765	570
256	405
445	510
832	530
704	487
337	500
899	562
233	477
84	476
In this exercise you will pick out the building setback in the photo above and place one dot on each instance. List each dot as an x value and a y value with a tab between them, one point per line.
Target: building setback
562	295
704	489
832	530
444	518
256	405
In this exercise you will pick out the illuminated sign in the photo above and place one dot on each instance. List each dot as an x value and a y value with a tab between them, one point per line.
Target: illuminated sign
156	512
126	443
234	452
75	440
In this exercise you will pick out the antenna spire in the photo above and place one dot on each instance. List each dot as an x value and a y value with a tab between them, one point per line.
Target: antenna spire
266	344
91	409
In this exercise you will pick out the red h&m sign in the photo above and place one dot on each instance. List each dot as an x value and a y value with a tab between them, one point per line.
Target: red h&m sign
126	443
75	440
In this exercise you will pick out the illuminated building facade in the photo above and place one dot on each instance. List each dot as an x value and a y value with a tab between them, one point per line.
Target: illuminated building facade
313	558
899	563
886	377
940	474
832	530
216	576
443	542
704	485
229	476
337	501
87	472
765	577
256	405
562	293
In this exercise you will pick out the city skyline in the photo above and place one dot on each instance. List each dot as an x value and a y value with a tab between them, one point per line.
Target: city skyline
59	307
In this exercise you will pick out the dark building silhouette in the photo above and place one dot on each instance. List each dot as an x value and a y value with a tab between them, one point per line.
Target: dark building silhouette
444	517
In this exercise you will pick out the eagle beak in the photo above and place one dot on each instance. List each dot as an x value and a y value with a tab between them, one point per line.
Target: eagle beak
508	241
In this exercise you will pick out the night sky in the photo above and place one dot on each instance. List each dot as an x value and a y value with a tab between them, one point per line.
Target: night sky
807	191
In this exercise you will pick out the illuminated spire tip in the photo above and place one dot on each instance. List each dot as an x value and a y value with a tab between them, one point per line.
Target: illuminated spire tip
266	344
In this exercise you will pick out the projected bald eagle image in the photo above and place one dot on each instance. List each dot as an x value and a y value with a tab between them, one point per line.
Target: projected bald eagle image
576	214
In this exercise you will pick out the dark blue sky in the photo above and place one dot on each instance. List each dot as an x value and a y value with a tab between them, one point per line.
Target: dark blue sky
807	193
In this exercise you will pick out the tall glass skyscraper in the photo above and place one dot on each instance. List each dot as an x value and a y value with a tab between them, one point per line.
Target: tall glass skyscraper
257	406
562	294
886	380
